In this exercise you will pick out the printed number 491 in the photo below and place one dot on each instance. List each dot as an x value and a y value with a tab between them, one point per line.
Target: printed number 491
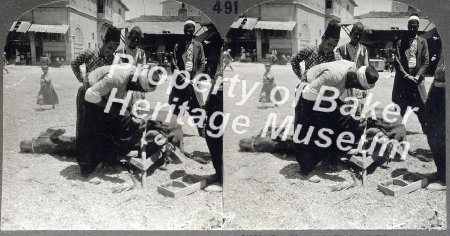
228	5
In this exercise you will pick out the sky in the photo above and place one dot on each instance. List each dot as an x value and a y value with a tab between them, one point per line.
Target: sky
153	7
365	6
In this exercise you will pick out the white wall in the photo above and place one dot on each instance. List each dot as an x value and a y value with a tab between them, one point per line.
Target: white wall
365	6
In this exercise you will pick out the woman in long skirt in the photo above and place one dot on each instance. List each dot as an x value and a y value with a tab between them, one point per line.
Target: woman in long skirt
47	94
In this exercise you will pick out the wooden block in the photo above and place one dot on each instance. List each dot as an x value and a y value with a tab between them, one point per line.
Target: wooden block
177	156
361	161
181	186
145	164
403	184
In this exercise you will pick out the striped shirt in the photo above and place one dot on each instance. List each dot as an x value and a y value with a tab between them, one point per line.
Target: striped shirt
92	60
311	56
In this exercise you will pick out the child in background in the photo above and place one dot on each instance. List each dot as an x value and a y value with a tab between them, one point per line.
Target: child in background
47	94
268	85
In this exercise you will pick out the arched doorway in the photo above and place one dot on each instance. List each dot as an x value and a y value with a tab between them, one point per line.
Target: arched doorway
78	42
304	36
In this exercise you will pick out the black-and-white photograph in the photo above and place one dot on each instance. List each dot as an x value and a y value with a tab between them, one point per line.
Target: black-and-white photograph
97	133
342	109
145	115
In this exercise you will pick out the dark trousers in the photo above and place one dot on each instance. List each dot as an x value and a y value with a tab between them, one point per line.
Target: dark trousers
215	145
103	136
309	155
215	103
179	96
435	128
421	114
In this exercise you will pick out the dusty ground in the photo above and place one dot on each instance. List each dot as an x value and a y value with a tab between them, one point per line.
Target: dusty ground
42	192
263	191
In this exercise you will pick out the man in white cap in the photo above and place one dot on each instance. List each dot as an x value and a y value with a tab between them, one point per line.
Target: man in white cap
340	75
411	62
189	56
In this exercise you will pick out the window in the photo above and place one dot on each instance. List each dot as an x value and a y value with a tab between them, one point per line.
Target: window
101	6
329	4
348	7
120	11
89	45
93	35
168	13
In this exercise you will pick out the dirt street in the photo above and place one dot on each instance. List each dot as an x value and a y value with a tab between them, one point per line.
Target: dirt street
263	191
43	192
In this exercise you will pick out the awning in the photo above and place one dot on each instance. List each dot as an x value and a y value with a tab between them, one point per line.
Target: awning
22	26
276	25
389	24
249	23
54	29
162	27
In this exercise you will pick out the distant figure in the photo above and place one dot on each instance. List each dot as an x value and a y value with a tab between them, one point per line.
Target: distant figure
47	94
28	58
243	56
5	62
268	85
254	55
274	55
17	56
227	59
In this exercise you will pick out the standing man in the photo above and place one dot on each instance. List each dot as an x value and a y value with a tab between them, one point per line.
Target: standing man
213	47
189	57
355	52
321	53
134	39
411	62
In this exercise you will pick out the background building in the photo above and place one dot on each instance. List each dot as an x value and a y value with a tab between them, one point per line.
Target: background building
62	29
171	8
162	32
286	25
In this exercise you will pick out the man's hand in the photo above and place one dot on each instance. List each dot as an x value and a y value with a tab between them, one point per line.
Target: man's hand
412	78
141	122
362	123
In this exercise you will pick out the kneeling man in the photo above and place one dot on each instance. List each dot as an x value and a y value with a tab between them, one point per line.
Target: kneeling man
327	125
113	132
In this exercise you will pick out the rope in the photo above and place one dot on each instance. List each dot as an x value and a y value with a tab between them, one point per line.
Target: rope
253	144
40	135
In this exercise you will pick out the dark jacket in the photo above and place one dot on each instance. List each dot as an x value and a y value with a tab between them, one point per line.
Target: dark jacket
198	58
403	87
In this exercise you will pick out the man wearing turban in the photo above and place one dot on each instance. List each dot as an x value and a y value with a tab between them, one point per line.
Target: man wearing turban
411	62
340	75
